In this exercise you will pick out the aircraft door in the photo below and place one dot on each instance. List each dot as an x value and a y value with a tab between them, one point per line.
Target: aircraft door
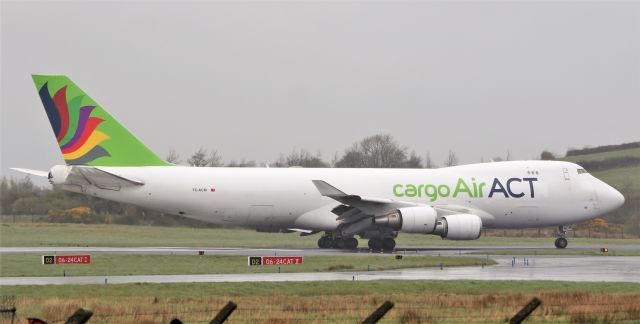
565	171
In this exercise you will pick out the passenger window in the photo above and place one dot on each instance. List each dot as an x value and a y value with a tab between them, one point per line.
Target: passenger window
581	171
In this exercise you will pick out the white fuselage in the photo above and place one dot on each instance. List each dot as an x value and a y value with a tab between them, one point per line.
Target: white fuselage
527	193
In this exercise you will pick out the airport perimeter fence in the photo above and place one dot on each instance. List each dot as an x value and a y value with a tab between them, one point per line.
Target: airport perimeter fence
591	312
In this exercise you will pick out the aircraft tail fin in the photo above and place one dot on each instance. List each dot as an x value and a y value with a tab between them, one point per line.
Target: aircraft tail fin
85	132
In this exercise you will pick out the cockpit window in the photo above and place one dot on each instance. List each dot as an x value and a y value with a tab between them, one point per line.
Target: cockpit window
581	171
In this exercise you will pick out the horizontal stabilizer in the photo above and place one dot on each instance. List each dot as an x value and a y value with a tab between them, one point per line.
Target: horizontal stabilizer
104	179
37	173
87	176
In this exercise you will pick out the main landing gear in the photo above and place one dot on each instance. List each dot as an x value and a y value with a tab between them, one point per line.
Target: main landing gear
329	242
382	243
561	241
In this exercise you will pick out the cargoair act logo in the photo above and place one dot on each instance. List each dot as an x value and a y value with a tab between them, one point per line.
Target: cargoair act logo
469	189
74	127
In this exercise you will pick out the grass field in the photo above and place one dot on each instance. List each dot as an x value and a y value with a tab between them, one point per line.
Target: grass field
24	265
320	302
618	177
622	178
42	234
567	251
635	152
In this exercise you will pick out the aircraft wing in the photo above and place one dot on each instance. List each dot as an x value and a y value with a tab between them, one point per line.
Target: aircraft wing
356	207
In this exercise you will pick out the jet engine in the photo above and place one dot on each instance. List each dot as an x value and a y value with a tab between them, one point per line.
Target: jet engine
58	174
459	227
424	220
420	219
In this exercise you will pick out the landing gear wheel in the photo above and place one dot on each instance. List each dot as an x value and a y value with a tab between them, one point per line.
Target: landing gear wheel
338	243
351	243
388	244
375	244
324	242
561	242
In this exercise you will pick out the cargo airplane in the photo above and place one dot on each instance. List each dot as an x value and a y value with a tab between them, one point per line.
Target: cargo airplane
103	159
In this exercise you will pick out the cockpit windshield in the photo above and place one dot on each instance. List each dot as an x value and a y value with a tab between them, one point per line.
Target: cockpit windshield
581	171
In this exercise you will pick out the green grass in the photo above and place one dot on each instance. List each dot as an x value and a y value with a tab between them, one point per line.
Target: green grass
195	290
627	178
24	265
635	152
619	177
334	301
42	234
567	251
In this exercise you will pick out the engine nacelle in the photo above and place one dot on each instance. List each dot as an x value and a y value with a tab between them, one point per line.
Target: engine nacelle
410	220
459	227
58	174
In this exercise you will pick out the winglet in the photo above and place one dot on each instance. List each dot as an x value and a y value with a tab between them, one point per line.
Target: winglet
328	190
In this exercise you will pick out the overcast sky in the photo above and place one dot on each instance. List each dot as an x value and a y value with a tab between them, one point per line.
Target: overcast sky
256	79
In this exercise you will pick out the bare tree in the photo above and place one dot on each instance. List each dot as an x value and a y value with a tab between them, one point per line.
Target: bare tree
378	151
452	159
214	159
173	157
413	162
352	158
508	158
242	164
428	162
199	158
305	159
546	155
202	158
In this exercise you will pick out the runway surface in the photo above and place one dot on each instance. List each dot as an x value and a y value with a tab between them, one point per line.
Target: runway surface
556	268
431	250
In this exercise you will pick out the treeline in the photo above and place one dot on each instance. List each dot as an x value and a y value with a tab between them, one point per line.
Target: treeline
377	151
22	197
602	149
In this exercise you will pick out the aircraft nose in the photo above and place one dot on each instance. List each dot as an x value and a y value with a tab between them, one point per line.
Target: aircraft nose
610	198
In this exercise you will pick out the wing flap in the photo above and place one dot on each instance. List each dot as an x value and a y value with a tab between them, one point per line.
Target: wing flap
365	206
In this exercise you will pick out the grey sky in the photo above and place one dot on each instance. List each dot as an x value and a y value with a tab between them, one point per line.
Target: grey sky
256	79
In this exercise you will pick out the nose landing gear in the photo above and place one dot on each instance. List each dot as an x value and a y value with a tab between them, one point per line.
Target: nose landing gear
561	241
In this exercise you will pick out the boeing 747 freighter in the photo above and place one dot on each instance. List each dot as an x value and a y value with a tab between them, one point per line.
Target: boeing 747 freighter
103	159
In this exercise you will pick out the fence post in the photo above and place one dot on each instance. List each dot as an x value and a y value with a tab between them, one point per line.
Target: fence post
81	316
525	311
8	305
224	313
379	313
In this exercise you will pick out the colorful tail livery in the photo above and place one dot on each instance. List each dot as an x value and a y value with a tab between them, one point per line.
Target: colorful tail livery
86	133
